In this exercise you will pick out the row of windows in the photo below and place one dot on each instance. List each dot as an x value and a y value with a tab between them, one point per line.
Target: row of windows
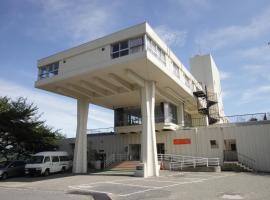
155	50
160	54
127	47
49	70
56	159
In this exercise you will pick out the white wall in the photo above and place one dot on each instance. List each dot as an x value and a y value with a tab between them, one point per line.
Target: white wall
252	140
205	70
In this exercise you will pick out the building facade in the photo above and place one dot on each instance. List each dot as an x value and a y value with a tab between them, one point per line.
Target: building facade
136	74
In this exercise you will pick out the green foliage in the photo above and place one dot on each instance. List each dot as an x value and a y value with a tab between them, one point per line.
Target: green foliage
22	131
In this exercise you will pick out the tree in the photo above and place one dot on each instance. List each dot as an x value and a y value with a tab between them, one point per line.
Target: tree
22	131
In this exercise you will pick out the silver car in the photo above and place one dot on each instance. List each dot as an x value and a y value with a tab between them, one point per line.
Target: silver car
11	169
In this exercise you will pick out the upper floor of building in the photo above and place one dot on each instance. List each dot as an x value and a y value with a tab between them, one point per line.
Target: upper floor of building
103	71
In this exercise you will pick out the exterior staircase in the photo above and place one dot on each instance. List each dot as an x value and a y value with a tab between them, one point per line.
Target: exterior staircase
236	166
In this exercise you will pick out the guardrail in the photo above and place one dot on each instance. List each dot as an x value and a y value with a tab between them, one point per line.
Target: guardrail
179	161
100	130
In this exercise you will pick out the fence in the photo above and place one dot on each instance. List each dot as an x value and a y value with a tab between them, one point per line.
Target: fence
179	161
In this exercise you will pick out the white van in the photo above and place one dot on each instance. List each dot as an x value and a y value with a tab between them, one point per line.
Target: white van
44	163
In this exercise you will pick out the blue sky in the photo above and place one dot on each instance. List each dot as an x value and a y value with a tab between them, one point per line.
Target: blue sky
235	32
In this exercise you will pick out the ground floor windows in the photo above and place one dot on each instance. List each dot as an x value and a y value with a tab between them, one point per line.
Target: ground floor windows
164	113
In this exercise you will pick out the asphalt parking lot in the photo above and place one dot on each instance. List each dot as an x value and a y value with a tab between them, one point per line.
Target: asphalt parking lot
170	185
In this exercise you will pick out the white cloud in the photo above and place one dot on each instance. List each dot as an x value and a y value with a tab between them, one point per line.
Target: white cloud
224	75
80	20
257	71
59	112
256	94
191	3
191	8
231	35
171	36
261	53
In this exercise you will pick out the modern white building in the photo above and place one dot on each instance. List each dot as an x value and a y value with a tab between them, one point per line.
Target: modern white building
135	73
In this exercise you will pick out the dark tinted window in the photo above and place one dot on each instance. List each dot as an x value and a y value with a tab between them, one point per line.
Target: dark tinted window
47	159
115	47
124	45
19	163
55	159
4	164
64	158
123	53
36	159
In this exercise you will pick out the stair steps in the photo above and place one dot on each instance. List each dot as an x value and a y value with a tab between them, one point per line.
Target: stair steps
241	165
124	166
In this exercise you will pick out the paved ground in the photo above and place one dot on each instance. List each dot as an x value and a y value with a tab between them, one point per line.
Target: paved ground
170	185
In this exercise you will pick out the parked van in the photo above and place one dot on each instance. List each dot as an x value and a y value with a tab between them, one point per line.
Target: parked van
44	163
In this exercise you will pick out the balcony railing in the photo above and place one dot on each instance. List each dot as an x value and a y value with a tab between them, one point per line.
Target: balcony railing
245	118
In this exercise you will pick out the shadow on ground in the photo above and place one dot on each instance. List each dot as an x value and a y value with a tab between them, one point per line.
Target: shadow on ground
96	196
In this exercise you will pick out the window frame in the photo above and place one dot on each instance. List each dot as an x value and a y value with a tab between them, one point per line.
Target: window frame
55	157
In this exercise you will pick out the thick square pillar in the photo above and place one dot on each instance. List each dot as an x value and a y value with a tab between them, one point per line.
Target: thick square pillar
148	137
80	153
180	114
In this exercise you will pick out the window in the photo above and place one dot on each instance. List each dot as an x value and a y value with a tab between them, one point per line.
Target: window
176	70
47	159
213	144
155	50
49	70
55	159
126	47
64	158
36	159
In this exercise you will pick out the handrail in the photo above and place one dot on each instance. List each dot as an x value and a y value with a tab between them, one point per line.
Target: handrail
246	160
181	161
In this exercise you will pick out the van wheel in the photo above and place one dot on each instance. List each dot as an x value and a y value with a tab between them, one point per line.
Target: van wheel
4	176
63	169
47	172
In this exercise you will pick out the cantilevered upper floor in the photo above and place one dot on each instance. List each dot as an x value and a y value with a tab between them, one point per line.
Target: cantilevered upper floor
103	71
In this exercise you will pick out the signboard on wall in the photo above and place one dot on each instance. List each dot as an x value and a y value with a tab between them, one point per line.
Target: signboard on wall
182	141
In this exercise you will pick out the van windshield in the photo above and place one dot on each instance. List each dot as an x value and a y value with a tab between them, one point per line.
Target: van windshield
36	159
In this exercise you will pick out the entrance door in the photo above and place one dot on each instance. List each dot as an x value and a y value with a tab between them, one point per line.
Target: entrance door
160	148
230	150
135	151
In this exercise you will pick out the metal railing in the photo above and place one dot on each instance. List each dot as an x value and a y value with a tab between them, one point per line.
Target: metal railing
177	162
245	118
248	117
247	161
100	130
114	158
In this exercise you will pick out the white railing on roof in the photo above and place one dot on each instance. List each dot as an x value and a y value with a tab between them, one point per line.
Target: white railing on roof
114	158
180	161
100	130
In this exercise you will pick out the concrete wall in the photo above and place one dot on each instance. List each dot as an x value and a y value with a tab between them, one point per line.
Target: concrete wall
205	70
252	140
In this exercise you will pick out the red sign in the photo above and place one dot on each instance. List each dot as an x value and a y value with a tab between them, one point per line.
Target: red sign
182	141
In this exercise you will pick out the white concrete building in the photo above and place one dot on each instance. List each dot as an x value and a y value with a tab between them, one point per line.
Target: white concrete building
136	74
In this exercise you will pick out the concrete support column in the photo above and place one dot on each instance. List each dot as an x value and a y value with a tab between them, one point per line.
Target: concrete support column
148	137
180	114
80	153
